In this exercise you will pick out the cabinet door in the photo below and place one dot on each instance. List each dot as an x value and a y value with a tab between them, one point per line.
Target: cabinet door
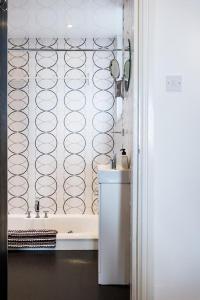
114	234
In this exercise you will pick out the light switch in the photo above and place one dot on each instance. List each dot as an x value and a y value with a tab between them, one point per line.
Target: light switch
174	83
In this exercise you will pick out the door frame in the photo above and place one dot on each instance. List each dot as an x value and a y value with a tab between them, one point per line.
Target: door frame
142	154
143	130
3	150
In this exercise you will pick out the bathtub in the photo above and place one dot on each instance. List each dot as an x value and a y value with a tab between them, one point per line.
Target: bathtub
75	232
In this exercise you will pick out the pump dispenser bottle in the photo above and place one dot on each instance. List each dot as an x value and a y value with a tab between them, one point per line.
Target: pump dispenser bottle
124	159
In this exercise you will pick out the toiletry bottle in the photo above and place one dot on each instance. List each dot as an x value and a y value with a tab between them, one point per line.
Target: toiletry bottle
124	159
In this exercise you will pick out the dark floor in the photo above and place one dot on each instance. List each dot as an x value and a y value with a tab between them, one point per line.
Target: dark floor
58	275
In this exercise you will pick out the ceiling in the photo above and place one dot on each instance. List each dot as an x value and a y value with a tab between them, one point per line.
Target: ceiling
65	18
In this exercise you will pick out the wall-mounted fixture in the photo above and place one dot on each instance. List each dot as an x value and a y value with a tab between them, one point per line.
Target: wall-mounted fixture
115	73
127	74
124	83
127	68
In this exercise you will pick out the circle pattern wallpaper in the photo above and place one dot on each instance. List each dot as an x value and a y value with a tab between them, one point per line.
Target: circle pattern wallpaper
61	119
18	128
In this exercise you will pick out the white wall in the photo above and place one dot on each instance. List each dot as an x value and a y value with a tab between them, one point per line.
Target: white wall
49	18
174	141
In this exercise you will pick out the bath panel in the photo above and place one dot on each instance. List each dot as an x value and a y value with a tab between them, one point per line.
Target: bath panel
75	232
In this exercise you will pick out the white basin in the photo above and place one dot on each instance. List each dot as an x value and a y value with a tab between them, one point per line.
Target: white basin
107	175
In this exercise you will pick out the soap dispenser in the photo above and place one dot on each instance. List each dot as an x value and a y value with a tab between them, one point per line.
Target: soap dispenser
124	159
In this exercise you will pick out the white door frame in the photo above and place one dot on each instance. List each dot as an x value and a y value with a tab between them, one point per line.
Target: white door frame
142	155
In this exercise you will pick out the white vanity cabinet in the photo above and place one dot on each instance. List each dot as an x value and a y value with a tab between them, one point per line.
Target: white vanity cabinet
114	226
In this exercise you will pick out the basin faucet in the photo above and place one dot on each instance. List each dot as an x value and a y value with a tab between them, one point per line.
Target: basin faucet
113	162
37	208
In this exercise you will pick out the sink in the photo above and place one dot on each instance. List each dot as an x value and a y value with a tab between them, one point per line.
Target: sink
107	175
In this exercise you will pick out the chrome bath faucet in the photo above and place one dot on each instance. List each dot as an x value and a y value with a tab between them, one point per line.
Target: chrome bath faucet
37	208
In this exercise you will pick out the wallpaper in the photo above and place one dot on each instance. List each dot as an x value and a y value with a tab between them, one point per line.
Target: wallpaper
61	118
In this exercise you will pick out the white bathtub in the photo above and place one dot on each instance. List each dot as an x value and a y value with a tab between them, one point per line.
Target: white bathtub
84	229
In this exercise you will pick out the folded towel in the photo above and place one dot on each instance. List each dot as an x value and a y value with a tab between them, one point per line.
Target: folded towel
17	233
24	246
32	238
28	239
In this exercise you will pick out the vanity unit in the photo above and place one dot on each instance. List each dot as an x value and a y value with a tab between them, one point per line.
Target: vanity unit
114	226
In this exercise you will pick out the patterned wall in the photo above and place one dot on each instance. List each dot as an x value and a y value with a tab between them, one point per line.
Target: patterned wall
46	122
103	117
61	120
75	122
18	128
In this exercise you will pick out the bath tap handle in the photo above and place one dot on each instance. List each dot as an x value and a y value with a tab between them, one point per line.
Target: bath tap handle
28	214
37	206
46	214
